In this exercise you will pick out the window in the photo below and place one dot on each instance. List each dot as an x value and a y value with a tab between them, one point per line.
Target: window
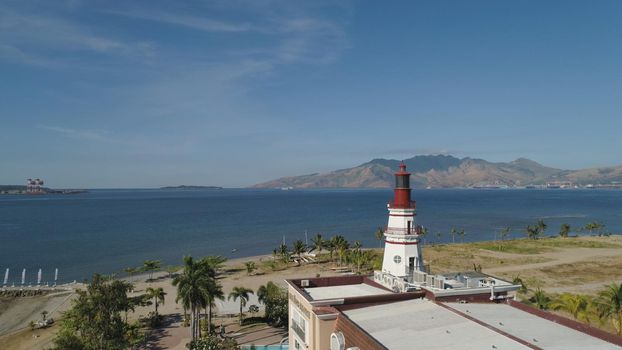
397	259
299	325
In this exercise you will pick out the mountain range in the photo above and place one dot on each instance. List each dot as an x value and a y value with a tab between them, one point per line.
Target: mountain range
446	171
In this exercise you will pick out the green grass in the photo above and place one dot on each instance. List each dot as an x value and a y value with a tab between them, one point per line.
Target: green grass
530	246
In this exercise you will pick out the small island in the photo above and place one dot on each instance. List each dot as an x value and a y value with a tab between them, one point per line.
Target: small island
191	188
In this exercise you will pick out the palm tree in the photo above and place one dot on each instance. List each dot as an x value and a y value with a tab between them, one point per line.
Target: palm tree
332	246
423	232
594	226
609	305
214	292
318	242
541	227
564	229
250	267
130	271
541	299
299	247
171	270
379	236
192	290
242	294
267	292
574	304
503	235
283	252
342	246
532	232
453	233
461	233
212	264
151	266
158	297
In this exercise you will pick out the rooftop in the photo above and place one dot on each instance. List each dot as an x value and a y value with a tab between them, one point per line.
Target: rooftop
543	333
466	326
400	325
344	291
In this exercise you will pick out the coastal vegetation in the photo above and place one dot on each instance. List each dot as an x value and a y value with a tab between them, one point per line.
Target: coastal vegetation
242	294
95	321
601	310
275	300
197	288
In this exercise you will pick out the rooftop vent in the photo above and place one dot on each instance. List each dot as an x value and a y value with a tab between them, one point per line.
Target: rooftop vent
304	283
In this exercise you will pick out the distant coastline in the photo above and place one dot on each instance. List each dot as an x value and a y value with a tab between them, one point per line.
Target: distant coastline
23	190
191	187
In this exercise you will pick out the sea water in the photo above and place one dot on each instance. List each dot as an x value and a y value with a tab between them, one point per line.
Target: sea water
106	231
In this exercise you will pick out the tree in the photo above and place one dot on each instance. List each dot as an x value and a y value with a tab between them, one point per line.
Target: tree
214	292
94	320
250	267
379	234
243	294
192	289
317	242
275	300
212	264
423	232
151	266
573	304
532	232
453	234
609	305
503	234
130	271
299	247
564	230
213	343
541	299
519	281
283	252
595	226
458	232
341	245
541	227
157	294
253	309
171	270
331	245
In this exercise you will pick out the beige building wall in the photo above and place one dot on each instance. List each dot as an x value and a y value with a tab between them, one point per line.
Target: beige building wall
317	330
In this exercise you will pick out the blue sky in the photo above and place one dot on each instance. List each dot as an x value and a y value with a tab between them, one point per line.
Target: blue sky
231	93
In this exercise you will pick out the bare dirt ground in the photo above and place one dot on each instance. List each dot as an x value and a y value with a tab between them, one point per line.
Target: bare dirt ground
554	264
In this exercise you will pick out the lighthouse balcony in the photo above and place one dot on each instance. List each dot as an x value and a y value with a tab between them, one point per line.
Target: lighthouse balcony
402	230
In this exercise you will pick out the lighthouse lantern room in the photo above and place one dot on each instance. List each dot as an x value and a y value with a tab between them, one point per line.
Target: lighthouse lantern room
402	252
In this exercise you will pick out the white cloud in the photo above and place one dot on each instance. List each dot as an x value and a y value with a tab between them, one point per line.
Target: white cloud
31	38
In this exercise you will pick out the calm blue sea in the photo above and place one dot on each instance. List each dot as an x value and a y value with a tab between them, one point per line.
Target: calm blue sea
107	230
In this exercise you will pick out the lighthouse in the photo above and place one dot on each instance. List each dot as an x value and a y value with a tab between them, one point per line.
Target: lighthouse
402	251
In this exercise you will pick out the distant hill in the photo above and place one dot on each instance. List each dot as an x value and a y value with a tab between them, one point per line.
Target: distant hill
446	171
190	187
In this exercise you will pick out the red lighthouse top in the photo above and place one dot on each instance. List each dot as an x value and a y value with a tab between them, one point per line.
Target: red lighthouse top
401	196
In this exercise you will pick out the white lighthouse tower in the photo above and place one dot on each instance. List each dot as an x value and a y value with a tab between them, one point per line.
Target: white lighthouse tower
402	252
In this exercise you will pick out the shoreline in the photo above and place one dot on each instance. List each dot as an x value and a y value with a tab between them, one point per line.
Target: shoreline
548	260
